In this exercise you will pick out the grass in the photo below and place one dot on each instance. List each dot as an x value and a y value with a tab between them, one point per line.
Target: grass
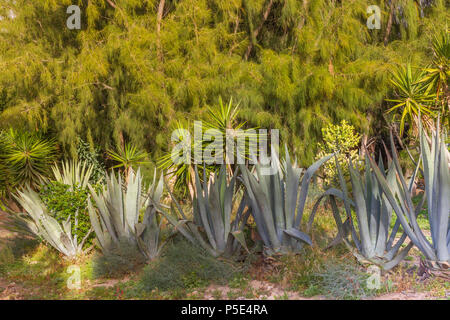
122	259
184	266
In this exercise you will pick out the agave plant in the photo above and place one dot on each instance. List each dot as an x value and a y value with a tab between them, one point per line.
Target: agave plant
277	202
119	211
73	173
436	174
373	240
38	222
212	213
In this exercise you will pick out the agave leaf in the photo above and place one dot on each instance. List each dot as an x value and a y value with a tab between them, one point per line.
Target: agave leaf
240	237
297	234
305	185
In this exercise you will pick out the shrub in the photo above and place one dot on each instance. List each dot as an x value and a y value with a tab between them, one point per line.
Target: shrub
63	201
343	281
92	158
340	138
185	266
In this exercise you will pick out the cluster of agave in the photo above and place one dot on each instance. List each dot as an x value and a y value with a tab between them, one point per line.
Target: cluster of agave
376	194
125	210
276	202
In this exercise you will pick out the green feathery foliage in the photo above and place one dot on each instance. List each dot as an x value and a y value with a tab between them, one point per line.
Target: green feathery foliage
132	70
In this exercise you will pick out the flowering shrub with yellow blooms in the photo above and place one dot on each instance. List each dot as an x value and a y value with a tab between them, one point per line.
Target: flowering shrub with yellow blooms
343	138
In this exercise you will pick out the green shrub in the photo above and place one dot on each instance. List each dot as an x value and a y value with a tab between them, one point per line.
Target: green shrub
342	138
63	201
92	157
184	266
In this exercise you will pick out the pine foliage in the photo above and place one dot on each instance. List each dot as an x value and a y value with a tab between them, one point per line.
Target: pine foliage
130	73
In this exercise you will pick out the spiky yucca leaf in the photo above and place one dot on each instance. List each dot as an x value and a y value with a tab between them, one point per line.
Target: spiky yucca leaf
28	157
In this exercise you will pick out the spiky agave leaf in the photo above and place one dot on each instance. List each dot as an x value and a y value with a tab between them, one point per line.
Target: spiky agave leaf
437	189
73	173
277	202
117	216
212	212
372	239
42	225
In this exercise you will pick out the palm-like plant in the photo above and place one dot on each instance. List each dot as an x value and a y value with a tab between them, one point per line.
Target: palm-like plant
127	158
221	121
437	74
183	169
412	96
28	157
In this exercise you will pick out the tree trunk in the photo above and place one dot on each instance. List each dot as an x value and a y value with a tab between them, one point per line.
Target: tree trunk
158	29
389	23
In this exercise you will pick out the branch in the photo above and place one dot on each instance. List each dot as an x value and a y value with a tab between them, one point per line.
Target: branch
112	4
256	32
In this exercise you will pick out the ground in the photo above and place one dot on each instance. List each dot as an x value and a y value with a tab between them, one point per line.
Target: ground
34	271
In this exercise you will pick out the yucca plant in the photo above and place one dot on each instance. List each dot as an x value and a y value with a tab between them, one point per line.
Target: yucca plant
412	97
38	222
127	158
438	72
125	213
220	121
373	240
28	157
277	202
436	172
212	226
